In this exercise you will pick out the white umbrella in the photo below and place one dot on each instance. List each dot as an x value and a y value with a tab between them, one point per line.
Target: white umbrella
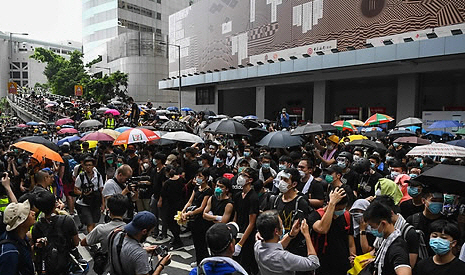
182	136
438	149
409	121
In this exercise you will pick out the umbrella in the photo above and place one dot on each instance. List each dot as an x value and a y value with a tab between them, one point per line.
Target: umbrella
99	136
102	110
460	142
250	123
49	106
343	125
172	108
438	149
40	140
64	121
367	143
32	123
39	151
122	129
238	118
400	133
52	102
445	178
112	133
355	122
146	127
370	129
409	121
460	132
375	134
415	128
90	123
67	131
116	102
280	139
227	126
313	129
172	125
445	124
258	132
22	125
377	119
209	113
353	137
439	133
136	136
250	117
412	140
113	112
68	139
67	126
186	109
182	136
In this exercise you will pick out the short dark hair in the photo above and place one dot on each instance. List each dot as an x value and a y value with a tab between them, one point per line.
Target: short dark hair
449	228
309	162
295	174
388	201
226	182
117	204
252	173
45	201
377	212
204	171
267	222
398	163
285	159
375	157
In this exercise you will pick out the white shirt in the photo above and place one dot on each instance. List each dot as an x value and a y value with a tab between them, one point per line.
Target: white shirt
96	180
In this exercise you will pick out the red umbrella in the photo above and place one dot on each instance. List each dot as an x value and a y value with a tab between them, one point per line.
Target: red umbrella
22	125
343	125
97	136
62	121
67	131
378	119
135	136
113	112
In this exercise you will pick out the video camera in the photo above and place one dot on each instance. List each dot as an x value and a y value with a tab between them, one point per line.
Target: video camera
138	182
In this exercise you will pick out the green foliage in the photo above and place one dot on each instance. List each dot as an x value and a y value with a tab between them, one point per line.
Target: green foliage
63	75
4	104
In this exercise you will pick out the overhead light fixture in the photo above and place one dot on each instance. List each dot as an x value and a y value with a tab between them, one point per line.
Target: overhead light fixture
456	32
350	48
408	39
196	73
249	64
368	45
209	71
388	42
190	74
281	59
292	57
202	72
232	68
260	63
270	61
431	35
240	66
320	53
184	75
224	69
306	55
216	70
334	50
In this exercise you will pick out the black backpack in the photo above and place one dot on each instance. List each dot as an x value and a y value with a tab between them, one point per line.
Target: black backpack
55	257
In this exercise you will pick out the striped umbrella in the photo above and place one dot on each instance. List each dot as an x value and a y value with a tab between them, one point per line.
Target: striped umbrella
136	136
343	125
377	119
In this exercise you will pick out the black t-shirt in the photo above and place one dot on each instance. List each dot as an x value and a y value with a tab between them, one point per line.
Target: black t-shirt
134	163
420	222
199	196
66	224
366	185
349	193
172	193
396	255
157	178
407	208
316	191
217	172
351	178
428	267
218	207
244	207
190	168
337	249
413	241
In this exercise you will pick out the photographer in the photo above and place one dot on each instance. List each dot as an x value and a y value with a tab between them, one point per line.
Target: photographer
88	186
6	196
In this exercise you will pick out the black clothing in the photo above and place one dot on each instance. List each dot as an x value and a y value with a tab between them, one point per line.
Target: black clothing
218	207
217	172
199	226
351	178
407	208
134	163
420	222
428	267
190	168
396	255
366	185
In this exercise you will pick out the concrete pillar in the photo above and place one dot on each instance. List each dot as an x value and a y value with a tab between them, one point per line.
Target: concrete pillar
320	102
260	102
407	95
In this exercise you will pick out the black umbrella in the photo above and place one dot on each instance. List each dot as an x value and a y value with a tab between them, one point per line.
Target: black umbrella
313	129
258	132
40	140
401	133
375	134
227	126
280	139
209	113
172	126
368	143
445	178
248	123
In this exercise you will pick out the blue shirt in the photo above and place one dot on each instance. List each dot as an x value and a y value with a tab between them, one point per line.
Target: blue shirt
284	120
13	261
212	268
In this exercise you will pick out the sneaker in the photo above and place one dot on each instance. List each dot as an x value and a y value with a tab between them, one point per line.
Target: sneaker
161	237
194	264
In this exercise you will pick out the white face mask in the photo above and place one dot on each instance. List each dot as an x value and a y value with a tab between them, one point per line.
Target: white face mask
356	157
241	181
378	192
302	174
145	166
229	155
283	186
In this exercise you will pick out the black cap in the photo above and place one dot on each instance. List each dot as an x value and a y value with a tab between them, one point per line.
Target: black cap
219	236
190	150
334	168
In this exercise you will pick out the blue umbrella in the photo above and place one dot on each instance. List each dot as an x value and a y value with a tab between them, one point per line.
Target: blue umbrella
67	126
414	128
172	108
68	139
186	109
439	133
122	129
250	117
460	142
32	123
445	124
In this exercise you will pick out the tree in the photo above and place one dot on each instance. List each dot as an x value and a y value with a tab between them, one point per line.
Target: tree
107	87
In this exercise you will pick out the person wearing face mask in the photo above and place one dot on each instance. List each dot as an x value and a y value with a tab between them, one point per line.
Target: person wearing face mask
145	192
356	212
392	256
266	173
444	237
415	204
110	165
369	176
270	253
378	166
220	168
248	156
434	203
333	178
309	186
193	211
190	164
330	151
349	176
132	159
220	207
242	165
398	151
231	158
333	234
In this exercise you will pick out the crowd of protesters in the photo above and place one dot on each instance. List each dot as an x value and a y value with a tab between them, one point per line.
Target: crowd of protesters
319	208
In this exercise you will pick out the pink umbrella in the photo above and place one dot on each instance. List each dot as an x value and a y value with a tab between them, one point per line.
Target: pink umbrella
49	106
67	131
22	125
113	112
65	120
97	136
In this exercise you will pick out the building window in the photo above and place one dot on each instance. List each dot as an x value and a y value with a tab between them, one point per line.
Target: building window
25	75
159	1
158	16
158	31
16	75
205	96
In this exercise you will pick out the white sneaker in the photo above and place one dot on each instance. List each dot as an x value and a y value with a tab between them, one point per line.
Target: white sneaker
194	264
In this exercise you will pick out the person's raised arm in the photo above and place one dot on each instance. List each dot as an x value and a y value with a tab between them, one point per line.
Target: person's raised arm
322	226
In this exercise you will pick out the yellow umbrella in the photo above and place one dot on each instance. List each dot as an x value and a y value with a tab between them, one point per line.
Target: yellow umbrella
353	137
92	143
112	133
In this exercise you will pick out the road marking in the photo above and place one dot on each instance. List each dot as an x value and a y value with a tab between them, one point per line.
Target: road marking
182	266
181	254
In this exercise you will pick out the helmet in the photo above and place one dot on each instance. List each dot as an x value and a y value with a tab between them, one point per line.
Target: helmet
361	165
334	138
346	155
58	127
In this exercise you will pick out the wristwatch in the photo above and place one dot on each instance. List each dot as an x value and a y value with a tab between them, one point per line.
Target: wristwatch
363	232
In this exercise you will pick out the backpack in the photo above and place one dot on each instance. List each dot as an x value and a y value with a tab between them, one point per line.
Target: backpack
321	212
201	270
55	256
422	249
70	163
296	207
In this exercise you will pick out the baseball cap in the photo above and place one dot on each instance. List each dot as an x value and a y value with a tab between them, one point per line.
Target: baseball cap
142	220
220	235
15	214
47	170
170	159
333	168
190	150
